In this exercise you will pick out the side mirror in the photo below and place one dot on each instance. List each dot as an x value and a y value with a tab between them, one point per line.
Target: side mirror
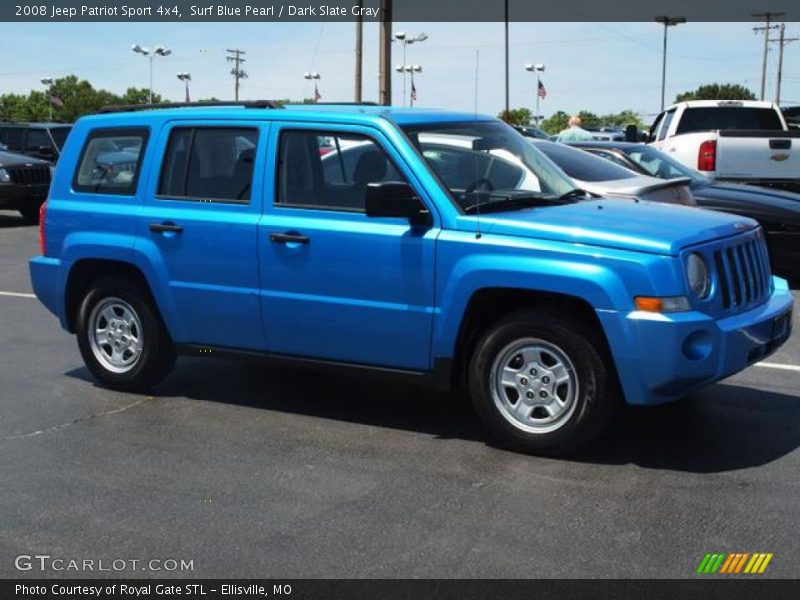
396	199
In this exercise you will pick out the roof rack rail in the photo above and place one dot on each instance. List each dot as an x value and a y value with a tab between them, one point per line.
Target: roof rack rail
136	107
365	103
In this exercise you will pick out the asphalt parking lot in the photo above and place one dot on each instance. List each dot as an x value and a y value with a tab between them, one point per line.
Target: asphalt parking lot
255	471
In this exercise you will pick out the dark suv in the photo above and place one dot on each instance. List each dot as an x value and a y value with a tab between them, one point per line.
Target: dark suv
40	140
24	182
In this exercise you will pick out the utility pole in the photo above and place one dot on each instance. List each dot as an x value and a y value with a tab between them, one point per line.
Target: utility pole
782	41
359	51
767	16
385	55
237	71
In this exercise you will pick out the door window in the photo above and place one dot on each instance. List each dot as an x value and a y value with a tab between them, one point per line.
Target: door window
665	126
330	171
211	164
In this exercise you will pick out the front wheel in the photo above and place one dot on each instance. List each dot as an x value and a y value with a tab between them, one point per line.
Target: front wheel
121	337
541	384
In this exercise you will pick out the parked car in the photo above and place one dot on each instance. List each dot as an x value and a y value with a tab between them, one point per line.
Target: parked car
24	182
530	131
741	141
40	140
778	212
422	259
602	178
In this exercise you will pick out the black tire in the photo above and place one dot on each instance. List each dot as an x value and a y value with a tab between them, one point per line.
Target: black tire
157	356
597	388
31	213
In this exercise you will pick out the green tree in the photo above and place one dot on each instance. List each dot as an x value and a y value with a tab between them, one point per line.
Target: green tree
555	123
717	91
517	116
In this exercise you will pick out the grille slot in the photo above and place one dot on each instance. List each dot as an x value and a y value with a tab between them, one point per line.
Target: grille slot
743	273
30	175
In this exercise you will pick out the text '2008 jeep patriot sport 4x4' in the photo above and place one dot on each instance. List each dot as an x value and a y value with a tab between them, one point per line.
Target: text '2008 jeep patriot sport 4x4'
426	243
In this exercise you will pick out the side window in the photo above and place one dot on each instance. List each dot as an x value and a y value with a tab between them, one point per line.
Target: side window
665	126
651	135
330	171
209	164
110	161
37	138
11	137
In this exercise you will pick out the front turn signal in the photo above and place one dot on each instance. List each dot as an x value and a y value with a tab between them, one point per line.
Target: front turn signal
667	304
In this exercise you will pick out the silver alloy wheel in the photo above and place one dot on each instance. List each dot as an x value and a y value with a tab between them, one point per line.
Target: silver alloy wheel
534	385
115	335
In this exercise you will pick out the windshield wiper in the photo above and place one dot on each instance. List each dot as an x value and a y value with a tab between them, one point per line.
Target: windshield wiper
510	201
574	193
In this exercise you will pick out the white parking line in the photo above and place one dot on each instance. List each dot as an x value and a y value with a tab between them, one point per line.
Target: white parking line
17	295
769	365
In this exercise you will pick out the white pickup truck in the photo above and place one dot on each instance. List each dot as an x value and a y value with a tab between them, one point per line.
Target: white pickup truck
731	140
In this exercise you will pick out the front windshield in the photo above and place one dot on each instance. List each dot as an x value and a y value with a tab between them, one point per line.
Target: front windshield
661	165
483	161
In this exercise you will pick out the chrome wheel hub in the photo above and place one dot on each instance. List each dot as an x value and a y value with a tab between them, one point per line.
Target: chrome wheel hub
534	385
115	335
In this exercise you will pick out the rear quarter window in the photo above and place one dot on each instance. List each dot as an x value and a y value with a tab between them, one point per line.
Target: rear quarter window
110	161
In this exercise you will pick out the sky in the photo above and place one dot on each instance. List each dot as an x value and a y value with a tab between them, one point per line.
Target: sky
601	67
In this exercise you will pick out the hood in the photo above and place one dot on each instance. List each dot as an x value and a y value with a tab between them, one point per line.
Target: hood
652	227
10	159
760	203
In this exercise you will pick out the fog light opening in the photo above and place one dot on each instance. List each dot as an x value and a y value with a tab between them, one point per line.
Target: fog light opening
697	345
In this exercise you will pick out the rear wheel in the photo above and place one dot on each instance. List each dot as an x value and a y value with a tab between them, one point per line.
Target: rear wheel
121	337
541	384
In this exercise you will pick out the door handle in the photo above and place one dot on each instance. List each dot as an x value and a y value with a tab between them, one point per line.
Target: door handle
165	227
288	238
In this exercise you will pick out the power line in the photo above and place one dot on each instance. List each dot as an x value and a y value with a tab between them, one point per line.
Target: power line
237	71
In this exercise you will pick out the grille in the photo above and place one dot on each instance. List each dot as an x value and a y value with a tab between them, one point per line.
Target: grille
30	175
744	273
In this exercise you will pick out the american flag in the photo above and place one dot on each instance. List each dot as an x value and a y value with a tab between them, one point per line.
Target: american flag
542	91
413	92
56	101
317	95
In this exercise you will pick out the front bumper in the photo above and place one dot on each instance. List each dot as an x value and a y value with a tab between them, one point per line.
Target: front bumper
662	357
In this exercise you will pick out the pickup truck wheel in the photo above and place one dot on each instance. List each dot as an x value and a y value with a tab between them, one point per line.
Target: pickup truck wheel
121	337
539	383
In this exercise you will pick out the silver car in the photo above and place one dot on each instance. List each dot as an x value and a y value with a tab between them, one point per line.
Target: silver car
603	178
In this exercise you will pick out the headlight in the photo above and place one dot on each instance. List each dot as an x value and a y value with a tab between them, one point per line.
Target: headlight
5	176
697	272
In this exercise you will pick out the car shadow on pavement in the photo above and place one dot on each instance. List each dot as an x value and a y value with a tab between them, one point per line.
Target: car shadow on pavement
723	428
12	219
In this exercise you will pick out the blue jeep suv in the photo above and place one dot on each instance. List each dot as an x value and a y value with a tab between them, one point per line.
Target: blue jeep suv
435	246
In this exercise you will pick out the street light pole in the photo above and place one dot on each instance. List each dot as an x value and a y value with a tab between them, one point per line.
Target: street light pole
157	51
402	38
185	78
667	22
48	81
314	76
537	68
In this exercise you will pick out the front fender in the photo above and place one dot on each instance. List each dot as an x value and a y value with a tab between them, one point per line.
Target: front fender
604	278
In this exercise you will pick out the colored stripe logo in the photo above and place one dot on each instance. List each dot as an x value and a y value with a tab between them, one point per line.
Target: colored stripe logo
735	563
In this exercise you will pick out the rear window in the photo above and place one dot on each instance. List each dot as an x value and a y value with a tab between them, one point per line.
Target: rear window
727	118
110	161
579	164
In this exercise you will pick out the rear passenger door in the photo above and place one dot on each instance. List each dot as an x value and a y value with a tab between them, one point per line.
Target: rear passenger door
198	227
336	284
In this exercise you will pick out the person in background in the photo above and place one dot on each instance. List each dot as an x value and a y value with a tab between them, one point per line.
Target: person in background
574	133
